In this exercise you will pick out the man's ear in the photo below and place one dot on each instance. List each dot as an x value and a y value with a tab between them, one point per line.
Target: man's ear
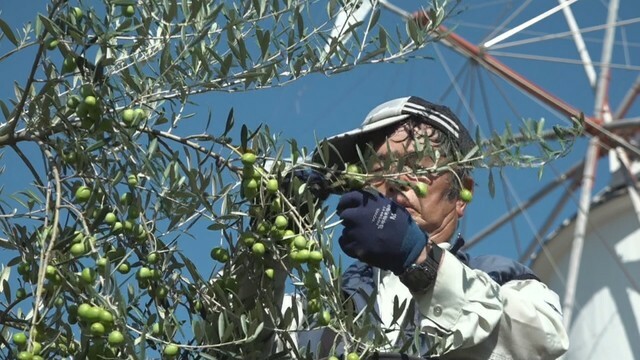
461	205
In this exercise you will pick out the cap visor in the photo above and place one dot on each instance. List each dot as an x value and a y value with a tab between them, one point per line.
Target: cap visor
342	148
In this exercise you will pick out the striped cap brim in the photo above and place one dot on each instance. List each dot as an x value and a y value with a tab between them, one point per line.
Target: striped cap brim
342	147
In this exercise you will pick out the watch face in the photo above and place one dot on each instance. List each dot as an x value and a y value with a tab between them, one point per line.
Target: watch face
419	278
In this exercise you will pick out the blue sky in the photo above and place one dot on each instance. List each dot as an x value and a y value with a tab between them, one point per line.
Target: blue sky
319	106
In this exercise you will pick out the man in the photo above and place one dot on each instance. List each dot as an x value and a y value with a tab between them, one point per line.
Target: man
485	308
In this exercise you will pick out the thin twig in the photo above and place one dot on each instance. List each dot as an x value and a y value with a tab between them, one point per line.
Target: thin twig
46	250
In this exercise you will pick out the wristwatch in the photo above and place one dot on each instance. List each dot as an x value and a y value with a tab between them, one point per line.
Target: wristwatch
421	277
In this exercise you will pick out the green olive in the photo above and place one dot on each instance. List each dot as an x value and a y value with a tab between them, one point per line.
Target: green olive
83	194
272	186
153	258
83	310
88	275
78	236
24	268
50	272
105	317
270	273
52	44
248	159
24	355
145	273
110	218
128	116
20	339
128	11
124	268
78	249
116	227
90	314
353	356
354	180
302	256
281	222
258	249
141	114
220	254
77	13
128	226
315	256
115	338
132	180
157	329
263	228
313	306
300	242
466	195
325	318
171	350
97	329
36	347
248	239
421	189
251	184
21	293
102	262
91	101
353	169
68	65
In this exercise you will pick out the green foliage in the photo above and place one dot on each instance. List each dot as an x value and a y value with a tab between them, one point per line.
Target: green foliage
529	148
98	235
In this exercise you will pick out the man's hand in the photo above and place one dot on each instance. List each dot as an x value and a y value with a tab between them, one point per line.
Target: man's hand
317	182
379	232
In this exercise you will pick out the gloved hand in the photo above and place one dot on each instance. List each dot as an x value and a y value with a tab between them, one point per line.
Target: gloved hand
379	232
316	181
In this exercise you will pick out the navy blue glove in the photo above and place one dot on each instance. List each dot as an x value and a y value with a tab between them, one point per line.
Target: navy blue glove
379	232
316	181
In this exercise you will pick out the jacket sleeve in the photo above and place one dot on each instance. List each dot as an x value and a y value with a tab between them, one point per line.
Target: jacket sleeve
469	315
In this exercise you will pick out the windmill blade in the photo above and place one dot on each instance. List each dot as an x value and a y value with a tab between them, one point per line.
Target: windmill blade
351	14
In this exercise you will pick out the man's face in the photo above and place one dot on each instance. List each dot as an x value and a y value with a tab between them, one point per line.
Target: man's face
436	213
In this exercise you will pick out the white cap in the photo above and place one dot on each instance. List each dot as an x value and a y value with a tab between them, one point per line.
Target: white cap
342	147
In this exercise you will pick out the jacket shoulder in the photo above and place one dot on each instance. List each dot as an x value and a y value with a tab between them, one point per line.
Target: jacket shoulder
502	269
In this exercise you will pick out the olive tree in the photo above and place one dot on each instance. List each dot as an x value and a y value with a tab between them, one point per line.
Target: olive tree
116	187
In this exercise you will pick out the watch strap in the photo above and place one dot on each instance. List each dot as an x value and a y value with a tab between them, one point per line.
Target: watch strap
435	252
421	277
